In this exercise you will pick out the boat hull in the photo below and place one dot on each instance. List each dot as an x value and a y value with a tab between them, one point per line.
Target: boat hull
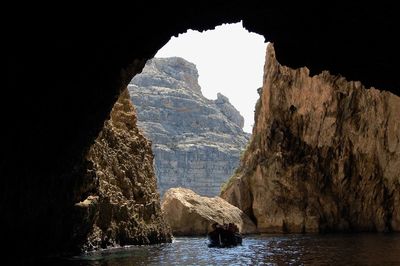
224	239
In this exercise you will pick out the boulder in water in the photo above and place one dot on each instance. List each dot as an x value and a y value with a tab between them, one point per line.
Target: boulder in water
191	214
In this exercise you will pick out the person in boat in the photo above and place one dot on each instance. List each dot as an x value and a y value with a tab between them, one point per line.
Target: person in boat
233	228
216	232
224	235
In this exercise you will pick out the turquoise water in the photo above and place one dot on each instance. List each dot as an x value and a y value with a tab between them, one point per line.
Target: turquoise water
343	249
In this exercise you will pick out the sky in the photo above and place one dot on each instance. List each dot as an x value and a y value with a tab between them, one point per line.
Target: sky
229	59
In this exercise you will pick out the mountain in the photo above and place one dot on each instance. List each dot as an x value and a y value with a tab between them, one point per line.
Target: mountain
197	142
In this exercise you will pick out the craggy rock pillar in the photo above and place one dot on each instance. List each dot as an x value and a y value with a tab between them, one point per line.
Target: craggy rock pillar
324	155
121	204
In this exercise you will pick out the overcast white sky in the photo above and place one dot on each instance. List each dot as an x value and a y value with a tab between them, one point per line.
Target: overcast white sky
230	60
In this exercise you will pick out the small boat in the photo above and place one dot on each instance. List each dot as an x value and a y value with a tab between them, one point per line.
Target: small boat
223	236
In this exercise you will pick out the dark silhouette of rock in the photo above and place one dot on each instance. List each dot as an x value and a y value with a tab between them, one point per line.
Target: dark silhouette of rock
65	68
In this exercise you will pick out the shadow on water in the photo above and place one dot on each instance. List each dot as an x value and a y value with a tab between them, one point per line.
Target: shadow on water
338	249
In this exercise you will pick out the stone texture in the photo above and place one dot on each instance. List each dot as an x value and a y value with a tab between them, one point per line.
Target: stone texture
197	142
123	205
191	214
61	85
324	155
228	110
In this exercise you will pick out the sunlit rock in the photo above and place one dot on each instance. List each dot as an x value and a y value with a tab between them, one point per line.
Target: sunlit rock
324	155
196	141
190	214
122	205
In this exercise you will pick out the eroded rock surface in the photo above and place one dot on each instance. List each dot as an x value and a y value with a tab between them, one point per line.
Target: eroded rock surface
196	141
61	85
122	205
191	214
324	155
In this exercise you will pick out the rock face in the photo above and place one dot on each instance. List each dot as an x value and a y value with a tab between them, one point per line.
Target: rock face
324	155
228	110
123	205
196	142
191	214
61	85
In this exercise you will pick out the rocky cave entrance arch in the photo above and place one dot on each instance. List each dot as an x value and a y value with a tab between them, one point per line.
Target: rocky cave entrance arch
196	101
64	76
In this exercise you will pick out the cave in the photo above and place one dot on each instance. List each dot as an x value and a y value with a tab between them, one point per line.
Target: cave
64	73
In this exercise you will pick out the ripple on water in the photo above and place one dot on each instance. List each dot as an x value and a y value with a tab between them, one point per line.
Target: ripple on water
351	249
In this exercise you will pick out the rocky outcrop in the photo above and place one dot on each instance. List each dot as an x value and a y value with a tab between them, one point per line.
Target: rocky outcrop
190	214
122	205
228	110
196	142
60	86
324	155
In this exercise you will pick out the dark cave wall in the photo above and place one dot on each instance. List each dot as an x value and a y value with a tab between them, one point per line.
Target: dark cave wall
353	39
64	71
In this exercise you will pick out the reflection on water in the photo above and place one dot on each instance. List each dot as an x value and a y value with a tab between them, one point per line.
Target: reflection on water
359	249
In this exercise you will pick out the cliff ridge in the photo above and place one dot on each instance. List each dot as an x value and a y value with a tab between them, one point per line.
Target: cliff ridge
324	155
196	141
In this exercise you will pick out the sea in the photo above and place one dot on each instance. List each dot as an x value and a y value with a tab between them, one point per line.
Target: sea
287	249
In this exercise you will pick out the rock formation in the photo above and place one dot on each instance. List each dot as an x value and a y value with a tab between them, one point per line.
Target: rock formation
191	214
196	142
122	205
61	85
324	155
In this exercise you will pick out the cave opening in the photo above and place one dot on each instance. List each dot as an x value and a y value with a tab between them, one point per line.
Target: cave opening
76	72
195	101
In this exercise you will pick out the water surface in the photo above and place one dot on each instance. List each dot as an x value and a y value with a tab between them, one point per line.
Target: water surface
343	249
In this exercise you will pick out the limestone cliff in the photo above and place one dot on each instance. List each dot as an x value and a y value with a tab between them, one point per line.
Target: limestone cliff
122	205
196	142
190	214
324	155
